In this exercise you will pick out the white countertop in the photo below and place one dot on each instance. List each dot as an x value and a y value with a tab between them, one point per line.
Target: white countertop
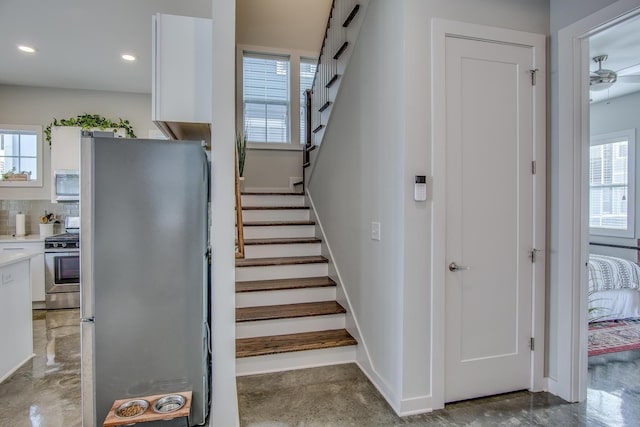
13	257
29	238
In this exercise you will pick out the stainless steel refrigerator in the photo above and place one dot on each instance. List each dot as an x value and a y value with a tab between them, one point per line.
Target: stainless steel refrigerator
144	273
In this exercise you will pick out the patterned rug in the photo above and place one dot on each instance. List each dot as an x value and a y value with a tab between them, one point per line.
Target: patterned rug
613	336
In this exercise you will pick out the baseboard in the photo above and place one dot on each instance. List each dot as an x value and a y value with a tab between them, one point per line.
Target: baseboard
18	366
295	360
415	406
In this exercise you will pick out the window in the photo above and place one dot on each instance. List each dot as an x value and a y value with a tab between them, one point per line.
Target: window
307	73
20	156
612	184
265	88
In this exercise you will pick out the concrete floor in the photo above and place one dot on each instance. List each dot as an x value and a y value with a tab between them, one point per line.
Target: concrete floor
45	392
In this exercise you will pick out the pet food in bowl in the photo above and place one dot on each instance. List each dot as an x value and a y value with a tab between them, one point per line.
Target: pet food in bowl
131	408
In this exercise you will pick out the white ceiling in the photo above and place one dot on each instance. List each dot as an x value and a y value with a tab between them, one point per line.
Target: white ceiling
79	42
622	44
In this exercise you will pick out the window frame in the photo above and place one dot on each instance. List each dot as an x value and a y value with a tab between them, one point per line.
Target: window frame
38	182
294	143
630	136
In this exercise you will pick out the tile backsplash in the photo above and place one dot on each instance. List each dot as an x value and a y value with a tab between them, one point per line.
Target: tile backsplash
33	210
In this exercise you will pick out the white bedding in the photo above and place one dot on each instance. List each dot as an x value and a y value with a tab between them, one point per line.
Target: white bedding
614	288
607	273
614	304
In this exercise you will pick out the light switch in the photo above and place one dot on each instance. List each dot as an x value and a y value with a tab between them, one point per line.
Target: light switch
375	231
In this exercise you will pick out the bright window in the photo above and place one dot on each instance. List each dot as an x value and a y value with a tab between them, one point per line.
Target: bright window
612	184
265	89
20	156
307	73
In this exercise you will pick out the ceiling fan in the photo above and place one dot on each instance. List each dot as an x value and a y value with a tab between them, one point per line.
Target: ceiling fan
602	78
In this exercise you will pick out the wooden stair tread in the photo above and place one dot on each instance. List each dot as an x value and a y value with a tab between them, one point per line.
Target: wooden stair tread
277	223
276	193
284	284
288	311
273	208
260	346
293	260
282	241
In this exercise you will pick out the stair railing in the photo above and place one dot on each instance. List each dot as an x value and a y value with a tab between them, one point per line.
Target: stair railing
239	223
340	34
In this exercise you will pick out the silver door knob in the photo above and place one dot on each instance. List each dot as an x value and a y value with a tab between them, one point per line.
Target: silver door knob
455	267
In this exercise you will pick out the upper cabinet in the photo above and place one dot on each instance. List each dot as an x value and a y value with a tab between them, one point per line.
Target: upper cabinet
182	76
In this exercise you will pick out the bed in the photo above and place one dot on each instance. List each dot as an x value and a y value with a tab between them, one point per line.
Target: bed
614	288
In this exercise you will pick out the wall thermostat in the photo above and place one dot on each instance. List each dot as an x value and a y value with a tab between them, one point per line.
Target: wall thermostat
420	188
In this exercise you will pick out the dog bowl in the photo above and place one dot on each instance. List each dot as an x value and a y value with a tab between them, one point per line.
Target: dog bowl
131	408
169	403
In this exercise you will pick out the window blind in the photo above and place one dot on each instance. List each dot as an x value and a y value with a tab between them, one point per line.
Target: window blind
609	185
266	97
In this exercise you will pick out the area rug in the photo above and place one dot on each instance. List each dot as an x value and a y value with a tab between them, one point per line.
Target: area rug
614	336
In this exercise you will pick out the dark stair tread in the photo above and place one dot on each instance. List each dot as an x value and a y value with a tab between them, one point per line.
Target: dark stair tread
288	311
351	16
284	284
260	346
340	51
263	262
276	223
274	193
282	241
273	208
332	81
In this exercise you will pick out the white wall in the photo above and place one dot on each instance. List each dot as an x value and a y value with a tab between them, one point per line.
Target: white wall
377	140
284	25
27	105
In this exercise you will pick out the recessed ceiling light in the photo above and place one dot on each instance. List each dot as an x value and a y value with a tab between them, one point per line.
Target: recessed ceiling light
27	49
128	57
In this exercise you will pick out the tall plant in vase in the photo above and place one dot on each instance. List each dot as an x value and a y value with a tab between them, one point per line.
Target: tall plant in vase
241	155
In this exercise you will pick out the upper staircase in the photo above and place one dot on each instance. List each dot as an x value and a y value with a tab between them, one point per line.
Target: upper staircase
287	316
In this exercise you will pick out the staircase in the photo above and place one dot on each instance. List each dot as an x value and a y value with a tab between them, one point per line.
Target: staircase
287	316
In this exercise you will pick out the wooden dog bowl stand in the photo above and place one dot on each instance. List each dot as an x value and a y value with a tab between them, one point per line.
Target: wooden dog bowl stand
149	415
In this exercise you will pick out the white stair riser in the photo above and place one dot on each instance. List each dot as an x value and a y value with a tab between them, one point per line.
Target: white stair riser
277	251
285	296
264	328
276	231
275	215
273	272
295	360
271	200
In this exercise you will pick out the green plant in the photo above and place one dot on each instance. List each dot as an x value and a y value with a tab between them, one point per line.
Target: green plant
241	150
89	121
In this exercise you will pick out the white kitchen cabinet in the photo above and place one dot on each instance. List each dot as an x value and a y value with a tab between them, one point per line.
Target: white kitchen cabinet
182	76
16	333
36	266
65	152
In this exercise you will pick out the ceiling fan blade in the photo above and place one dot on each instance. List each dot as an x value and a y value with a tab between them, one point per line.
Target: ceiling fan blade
629	79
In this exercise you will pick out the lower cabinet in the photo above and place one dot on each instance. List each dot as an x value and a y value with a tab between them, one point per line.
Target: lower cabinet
37	265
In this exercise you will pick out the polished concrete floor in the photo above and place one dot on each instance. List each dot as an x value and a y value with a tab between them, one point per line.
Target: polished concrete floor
45	392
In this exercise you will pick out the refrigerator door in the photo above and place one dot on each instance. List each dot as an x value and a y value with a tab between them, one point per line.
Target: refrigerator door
149	251
86	285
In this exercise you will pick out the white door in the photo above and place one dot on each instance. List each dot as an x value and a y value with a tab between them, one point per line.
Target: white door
489	217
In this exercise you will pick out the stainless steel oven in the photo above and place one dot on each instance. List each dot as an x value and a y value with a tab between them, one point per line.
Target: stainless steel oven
62	270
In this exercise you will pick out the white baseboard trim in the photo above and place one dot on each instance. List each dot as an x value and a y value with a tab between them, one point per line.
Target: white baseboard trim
292	183
293	361
18	366
415	406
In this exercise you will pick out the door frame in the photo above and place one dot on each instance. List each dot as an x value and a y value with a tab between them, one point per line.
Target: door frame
442	28
570	301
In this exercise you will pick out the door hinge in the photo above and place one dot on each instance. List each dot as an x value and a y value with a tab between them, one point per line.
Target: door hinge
533	167
533	253
532	343
533	76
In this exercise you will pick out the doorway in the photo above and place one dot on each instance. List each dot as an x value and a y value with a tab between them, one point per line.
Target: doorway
568	372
